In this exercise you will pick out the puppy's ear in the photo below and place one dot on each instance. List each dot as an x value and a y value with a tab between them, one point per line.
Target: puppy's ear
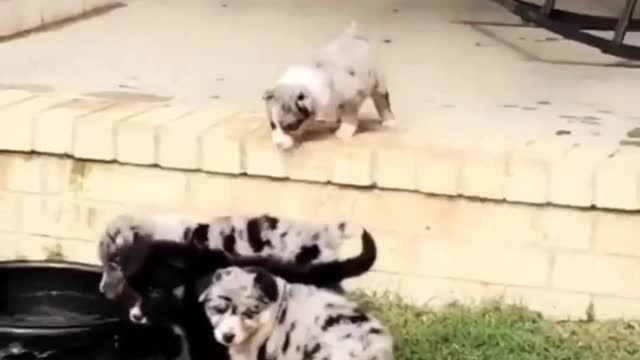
268	94
266	284
202	288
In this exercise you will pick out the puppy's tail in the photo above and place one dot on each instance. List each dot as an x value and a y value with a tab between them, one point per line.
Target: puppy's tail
322	274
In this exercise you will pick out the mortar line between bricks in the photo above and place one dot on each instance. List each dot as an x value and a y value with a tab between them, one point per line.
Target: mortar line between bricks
347	186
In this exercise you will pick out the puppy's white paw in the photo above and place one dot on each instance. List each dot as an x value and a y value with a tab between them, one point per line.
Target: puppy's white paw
346	131
390	123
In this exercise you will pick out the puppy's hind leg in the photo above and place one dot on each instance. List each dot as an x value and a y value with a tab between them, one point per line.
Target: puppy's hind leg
348	122
381	101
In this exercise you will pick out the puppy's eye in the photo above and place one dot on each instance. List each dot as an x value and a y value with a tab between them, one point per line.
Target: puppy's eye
219	309
293	126
249	314
301	97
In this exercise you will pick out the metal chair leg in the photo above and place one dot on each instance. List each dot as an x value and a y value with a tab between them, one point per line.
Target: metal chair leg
623	22
548	7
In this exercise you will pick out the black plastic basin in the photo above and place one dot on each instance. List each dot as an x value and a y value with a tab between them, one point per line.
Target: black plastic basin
54	310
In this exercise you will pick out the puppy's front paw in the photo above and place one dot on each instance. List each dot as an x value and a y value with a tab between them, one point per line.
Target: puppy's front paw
390	123
346	131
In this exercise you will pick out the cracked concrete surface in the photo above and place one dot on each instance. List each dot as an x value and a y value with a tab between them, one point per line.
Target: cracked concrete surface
452	71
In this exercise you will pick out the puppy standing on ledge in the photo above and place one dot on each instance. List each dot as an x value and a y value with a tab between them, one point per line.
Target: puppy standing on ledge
332	88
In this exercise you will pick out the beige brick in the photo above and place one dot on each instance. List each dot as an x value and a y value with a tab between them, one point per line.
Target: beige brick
397	157
8	97
554	304
614	308
17	122
617	183
398	167
132	184
19	16
598	274
179	142
573	176
214	193
439	171
352	165
495	223
617	233
53	129
261	158
529	170
396	253
94	133
566	228
335	202
65	216
137	136
405	212
421	291
33	247
9	206
53	11
20	172
89	5
494	264
483	174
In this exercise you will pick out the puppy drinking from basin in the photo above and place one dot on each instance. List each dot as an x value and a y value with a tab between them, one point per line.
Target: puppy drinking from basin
331	88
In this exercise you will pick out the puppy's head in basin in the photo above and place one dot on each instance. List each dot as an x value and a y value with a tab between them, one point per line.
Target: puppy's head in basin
289	107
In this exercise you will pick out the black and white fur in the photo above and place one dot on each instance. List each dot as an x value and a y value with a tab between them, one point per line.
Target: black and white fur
261	316
163	276
332	88
259	235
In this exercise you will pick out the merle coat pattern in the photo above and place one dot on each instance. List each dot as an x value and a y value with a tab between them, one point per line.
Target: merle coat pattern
260	316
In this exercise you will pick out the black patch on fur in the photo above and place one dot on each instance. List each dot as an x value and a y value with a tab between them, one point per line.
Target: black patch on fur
271	221
315	237
375	331
356	318
348	336
284	235
283	316
262	352
266	284
287	338
229	242
298	348
342	226
309	353
307	254
351	72
200	235
254	235
272	124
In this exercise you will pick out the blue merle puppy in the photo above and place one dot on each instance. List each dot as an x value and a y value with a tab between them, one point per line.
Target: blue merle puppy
261	316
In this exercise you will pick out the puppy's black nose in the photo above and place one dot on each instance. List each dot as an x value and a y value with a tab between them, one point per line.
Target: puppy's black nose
228	338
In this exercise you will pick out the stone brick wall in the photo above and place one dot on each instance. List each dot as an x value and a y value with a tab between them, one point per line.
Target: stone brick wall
19	16
69	164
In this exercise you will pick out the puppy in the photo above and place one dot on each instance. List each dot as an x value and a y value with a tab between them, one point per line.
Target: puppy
163	275
331	88
260	316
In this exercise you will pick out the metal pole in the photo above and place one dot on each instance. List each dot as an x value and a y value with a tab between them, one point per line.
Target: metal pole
623	22
548	6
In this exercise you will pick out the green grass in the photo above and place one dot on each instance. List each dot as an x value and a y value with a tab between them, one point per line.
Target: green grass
495	331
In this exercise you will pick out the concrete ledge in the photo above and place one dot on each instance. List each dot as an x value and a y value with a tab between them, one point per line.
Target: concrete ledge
20	16
219	139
